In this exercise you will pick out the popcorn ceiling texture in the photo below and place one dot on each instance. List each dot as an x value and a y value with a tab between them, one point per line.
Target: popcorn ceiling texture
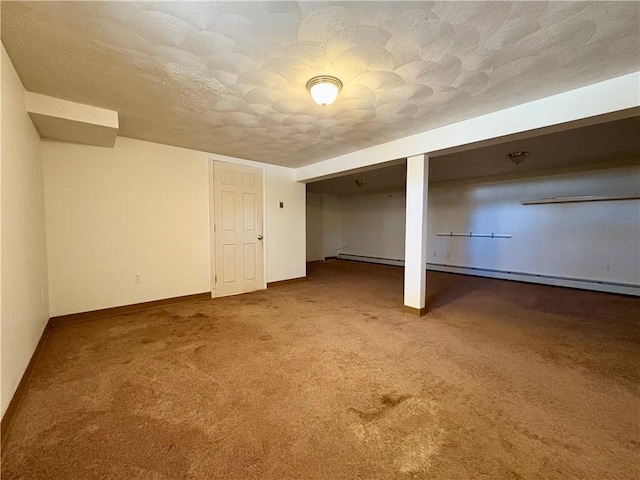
229	77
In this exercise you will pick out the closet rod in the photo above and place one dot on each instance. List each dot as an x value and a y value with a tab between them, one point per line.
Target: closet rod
471	235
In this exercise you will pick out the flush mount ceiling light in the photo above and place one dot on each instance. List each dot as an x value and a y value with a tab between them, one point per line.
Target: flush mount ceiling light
517	157
324	89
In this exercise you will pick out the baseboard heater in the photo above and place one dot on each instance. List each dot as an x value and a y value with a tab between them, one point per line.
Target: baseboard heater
557	281
370	259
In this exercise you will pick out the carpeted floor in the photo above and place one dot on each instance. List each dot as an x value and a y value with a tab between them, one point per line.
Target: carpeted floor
328	379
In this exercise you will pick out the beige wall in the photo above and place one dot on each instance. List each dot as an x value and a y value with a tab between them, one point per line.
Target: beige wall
24	311
285	227
144	208
139	208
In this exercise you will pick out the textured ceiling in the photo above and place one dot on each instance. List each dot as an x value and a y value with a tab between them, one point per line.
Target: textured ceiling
611	144
229	77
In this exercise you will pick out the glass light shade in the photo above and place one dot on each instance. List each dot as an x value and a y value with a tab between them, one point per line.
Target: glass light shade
324	90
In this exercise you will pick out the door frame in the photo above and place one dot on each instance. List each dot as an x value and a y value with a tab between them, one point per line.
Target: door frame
212	240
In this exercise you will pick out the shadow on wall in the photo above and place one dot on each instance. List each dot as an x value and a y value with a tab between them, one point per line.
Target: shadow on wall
448	212
314	228
487	214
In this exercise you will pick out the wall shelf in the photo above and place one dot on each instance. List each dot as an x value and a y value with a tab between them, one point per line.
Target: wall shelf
582	198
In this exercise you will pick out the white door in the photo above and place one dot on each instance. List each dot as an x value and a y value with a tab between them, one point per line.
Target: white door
239	251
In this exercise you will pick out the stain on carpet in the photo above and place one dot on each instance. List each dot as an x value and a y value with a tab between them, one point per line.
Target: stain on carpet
115	453
406	427
488	385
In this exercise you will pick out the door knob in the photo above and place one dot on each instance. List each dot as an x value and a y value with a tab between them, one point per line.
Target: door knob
260	237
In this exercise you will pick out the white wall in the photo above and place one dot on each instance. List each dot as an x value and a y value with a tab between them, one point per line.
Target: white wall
2	61
331	225
112	213
24	310
314	228
591	241
324	226
285	227
374	225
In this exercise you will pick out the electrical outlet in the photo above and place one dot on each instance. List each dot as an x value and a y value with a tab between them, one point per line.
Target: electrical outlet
434	254
137	278
608	268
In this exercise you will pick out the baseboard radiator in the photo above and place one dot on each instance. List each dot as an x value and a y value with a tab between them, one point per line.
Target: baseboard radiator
556	281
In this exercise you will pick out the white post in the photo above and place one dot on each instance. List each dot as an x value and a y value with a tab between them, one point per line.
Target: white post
415	250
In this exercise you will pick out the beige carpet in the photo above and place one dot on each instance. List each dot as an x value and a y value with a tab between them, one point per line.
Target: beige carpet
328	379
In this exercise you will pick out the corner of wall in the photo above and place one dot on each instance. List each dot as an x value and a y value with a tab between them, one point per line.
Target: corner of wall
285	227
24	309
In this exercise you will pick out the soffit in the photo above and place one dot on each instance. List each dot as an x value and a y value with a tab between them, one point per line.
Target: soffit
604	145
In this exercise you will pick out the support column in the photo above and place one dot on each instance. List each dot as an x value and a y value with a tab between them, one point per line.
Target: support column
415	246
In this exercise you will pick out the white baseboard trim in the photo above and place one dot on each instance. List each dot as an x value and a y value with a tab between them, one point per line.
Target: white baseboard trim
599	286
609	287
368	259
